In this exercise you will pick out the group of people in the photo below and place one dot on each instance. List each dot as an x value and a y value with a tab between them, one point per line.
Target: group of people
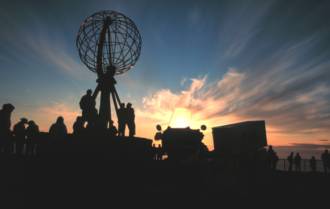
126	117
295	161
26	131
20	140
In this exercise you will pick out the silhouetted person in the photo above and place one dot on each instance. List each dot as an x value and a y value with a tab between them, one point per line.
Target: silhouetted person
5	123
58	129
130	119
272	158
122	115
325	157
297	162
32	133
112	129
19	132
78	126
87	105
290	160
312	163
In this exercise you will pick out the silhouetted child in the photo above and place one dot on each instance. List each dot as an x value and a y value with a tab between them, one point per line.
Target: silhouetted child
5	123
290	160
297	162
58	129
312	163
19	132
130	119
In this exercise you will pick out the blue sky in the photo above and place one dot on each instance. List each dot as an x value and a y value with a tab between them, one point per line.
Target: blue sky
245	59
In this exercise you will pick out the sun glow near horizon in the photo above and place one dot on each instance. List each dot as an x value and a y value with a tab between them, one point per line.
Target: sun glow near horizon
181	118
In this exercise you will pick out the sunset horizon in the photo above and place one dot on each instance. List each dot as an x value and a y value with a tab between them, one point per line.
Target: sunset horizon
164	104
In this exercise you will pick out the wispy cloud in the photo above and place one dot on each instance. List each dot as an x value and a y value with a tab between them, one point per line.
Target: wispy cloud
292	95
234	36
36	43
57	54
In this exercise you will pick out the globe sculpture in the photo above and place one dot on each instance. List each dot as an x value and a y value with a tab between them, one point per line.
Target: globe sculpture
109	44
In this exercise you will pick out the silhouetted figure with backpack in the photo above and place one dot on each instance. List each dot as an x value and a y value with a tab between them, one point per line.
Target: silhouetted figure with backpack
87	105
290	160
19	132
32	134
58	129
78	126
5	123
122	117
325	157
297	162
130	119
312	163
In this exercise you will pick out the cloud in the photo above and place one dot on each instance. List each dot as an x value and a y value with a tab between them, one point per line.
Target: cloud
183	81
307	146
56	54
292	94
33	42
234	36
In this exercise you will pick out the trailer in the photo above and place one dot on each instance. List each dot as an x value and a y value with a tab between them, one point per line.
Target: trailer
239	138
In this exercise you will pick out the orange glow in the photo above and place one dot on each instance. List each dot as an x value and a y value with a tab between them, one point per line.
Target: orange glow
181	118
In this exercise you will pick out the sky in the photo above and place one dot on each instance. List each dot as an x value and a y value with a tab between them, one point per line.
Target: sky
208	62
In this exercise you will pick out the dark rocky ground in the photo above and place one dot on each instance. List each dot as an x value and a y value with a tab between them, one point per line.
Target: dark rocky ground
80	178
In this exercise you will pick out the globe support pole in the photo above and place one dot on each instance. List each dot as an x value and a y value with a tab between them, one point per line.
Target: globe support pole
106	81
